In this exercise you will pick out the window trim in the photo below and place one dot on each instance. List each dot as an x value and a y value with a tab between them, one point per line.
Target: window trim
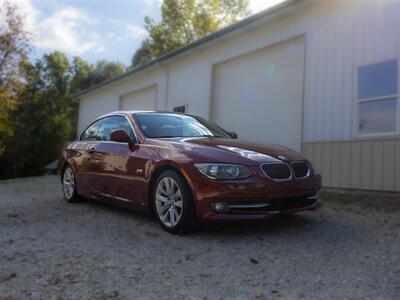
90	125
356	103
104	117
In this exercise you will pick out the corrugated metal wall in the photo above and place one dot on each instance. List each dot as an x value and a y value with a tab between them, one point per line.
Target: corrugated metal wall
342	35
367	164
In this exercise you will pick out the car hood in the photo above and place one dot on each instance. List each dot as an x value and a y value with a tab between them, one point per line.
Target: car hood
230	150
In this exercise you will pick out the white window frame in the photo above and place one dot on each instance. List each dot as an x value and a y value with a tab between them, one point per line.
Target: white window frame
357	101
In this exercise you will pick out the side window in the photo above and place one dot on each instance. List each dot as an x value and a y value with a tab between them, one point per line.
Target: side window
377	98
90	134
113	123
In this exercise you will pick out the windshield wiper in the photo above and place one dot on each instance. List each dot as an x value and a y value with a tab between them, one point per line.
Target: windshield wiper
165	136
181	136
209	135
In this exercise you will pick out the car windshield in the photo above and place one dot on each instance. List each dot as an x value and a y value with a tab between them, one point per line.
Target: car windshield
164	125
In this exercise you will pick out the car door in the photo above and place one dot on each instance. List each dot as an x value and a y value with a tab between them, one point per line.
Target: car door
115	174
87	166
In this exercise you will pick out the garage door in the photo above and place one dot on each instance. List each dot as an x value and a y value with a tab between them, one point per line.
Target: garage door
260	95
144	99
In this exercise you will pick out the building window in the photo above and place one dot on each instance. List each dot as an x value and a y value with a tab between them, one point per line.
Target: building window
180	109
377	98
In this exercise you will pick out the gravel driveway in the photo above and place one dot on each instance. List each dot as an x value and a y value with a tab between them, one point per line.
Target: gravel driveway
349	249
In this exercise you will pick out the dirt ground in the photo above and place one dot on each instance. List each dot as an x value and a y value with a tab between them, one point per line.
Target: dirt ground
349	249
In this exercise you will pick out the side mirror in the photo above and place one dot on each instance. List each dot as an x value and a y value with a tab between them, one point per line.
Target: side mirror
120	136
233	134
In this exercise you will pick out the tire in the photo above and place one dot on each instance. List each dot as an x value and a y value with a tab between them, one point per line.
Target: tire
173	203
69	186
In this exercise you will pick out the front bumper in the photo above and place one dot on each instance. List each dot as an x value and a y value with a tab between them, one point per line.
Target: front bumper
268	197
263	210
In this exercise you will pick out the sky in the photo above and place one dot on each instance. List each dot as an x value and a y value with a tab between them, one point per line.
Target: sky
102	29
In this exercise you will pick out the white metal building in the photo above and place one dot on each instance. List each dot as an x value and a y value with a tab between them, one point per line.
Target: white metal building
319	76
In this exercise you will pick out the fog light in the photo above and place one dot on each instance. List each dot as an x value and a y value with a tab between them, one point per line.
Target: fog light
218	206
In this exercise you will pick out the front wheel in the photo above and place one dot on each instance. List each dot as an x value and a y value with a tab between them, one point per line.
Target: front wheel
173	203
69	186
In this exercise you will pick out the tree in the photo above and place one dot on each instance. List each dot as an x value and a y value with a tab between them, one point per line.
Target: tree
85	75
82	74
46	114
14	44
105	70
38	111
44	118
14	48
183	22
142	55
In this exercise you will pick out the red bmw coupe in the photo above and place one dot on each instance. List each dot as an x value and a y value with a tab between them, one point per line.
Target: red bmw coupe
185	170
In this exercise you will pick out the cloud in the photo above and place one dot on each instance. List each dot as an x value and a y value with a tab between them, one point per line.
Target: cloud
27	11
64	30
125	30
151	4
259	5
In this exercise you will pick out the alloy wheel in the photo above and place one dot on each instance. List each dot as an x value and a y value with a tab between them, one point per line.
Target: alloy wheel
169	202
68	183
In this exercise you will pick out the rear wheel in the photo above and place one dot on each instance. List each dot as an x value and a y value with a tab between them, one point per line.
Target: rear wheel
69	186
173	203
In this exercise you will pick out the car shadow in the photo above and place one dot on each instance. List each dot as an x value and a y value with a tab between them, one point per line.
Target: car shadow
269	226
119	210
274	225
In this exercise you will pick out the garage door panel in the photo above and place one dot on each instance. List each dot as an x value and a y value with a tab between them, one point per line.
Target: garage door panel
143	99
260	95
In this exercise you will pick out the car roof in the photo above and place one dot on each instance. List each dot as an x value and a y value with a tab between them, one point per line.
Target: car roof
134	112
125	112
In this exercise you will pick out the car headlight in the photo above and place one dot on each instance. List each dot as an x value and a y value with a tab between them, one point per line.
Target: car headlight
223	171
